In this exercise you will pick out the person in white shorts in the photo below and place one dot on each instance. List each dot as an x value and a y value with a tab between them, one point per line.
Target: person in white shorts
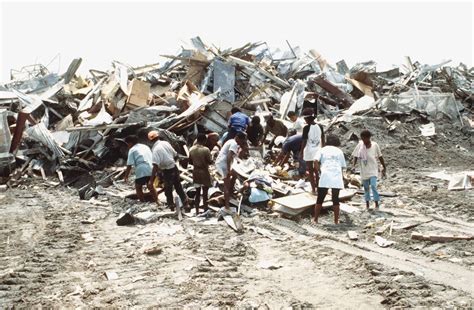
313	140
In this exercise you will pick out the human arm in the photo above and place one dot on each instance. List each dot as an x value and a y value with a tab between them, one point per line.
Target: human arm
304	140
127	173
280	158
323	138
264	135
317	165
384	168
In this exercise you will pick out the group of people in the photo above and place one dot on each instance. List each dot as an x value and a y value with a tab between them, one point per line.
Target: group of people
318	157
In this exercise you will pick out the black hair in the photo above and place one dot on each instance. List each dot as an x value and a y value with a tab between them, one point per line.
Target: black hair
201	138
234	110
241	135
332	140
291	114
365	134
256	120
131	140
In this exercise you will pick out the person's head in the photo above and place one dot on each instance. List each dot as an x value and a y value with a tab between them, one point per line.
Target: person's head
153	135
234	110
131	140
292	116
292	132
201	138
332	140
365	136
270	120
241	138
256	120
309	115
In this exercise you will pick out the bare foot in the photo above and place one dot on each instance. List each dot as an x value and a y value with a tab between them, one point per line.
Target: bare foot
314	220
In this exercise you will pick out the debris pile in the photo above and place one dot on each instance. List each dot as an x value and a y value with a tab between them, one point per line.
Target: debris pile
70	126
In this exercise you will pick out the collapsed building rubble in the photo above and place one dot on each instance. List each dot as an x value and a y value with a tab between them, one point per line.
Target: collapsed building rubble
71	128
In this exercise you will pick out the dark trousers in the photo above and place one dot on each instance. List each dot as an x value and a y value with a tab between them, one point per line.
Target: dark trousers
171	180
322	192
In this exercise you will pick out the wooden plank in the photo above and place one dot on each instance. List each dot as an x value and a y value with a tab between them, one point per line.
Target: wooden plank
297	201
440	238
139	92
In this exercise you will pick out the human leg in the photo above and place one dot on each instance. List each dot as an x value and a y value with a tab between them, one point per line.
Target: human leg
375	193
152	190
366	184
197	199
179	188
322	192
205	191
310	167
335	202
139	191
168	186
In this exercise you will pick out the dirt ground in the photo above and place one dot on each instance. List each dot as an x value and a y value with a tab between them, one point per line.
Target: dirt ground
55	249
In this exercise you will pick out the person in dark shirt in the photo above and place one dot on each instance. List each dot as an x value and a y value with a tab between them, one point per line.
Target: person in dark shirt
255	131
292	145
276	127
200	157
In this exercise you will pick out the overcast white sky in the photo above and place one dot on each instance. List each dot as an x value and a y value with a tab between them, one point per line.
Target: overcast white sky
137	32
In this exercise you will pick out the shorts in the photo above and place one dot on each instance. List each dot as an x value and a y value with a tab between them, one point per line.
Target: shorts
322	192
221	168
142	181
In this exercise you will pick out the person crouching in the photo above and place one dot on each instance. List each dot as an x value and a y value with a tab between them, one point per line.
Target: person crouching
140	158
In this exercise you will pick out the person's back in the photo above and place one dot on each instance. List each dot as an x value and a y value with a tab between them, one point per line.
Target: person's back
230	145
332	161
239	121
293	144
200	156
164	155
255	133
277	128
140	157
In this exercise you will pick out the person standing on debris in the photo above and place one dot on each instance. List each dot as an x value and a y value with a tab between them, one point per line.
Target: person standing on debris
331	162
298	123
313	140
238	122
140	158
224	163
276	127
200	157
367	152
255	131
292	145
164	163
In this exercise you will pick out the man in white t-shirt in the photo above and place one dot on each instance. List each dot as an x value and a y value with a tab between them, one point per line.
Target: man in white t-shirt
224	163
330	160
164	162
368	154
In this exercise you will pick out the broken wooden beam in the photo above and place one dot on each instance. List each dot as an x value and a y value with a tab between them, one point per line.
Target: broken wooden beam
102	127
345	98
440	238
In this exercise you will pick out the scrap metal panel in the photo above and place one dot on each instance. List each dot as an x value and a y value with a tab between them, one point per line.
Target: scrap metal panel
224	79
